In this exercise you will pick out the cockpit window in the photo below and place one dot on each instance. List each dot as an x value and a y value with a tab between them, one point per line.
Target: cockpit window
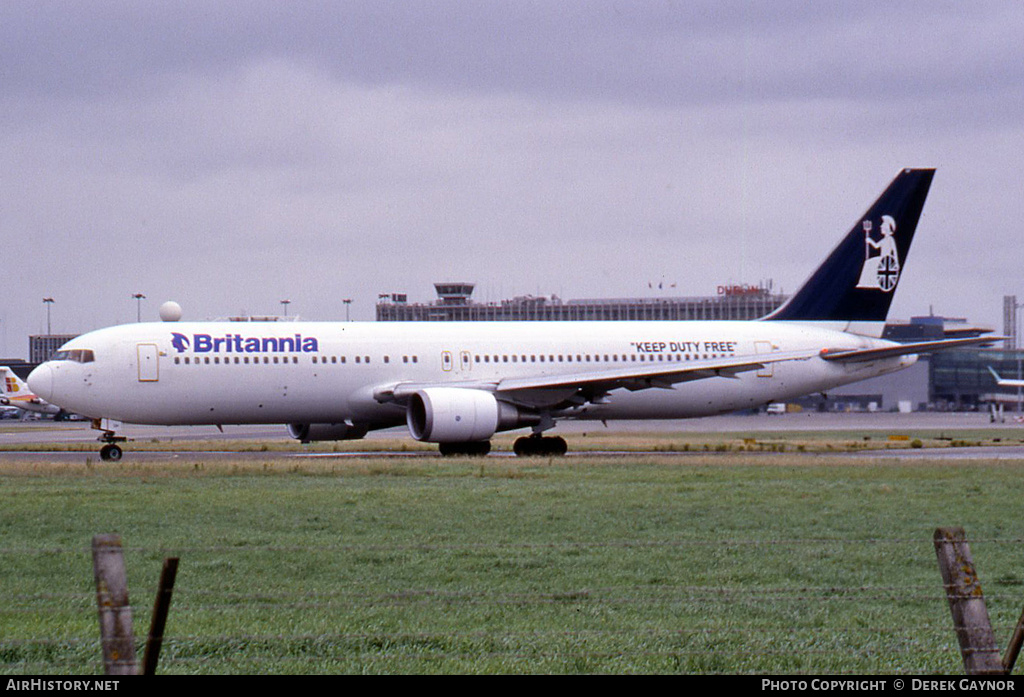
76	355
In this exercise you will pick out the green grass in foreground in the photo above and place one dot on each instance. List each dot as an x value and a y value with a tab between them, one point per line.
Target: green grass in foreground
711	564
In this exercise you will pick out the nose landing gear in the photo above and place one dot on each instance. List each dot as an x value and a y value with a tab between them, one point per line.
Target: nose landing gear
111	451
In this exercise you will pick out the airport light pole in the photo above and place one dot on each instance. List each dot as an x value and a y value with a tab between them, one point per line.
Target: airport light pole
286	303
1020	355
348	304
48	302
139	297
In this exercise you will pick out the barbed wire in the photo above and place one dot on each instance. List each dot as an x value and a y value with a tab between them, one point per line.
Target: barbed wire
607	596
738	629
435	547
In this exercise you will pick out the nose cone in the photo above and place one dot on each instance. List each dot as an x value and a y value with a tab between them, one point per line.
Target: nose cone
40	381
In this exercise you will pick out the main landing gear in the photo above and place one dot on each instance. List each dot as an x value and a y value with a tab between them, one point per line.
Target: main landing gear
535	445
478	448
540	445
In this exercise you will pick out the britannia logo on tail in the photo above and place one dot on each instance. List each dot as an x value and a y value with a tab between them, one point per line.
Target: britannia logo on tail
881	269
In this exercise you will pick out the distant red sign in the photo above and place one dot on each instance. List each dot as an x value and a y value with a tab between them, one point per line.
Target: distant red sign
743	289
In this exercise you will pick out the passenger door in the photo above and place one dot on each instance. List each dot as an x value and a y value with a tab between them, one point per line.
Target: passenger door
149	362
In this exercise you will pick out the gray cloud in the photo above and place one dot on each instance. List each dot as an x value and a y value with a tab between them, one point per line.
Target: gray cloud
231	155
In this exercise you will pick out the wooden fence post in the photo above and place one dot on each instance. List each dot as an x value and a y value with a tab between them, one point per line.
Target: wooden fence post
112	599
1013	648
160	609
967	603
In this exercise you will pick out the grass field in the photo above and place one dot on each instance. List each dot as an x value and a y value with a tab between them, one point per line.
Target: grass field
725	562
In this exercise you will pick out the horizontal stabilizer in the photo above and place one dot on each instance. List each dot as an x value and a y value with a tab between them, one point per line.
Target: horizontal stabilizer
853	355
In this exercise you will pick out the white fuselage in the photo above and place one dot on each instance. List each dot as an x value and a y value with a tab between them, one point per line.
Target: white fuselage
312	372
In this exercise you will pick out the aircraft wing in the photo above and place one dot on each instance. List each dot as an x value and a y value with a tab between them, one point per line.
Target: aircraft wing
855	355
591	386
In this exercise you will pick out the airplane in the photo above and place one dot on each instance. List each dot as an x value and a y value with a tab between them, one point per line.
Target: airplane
458	383
15	393
1005	382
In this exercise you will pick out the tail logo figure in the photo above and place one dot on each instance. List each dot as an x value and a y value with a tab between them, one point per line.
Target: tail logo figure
882	270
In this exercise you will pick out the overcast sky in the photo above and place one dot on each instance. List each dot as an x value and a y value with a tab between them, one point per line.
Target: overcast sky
231	155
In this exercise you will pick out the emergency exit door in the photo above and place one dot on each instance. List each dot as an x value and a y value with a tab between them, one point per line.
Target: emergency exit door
764	347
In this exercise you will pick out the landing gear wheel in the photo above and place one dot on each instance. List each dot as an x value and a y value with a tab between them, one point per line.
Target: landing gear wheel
111	452
475	448
540	446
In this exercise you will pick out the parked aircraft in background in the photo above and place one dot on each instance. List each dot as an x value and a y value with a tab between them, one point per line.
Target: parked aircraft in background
15	393
459	383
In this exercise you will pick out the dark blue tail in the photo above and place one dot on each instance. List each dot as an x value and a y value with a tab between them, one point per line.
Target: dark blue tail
859	277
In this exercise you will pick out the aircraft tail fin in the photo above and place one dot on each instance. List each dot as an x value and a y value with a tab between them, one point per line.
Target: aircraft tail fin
857	281
10	384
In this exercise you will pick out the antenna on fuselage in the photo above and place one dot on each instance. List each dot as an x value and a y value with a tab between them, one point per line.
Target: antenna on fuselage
170	311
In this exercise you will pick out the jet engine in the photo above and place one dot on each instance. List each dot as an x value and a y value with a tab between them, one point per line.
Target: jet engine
461	415
341	431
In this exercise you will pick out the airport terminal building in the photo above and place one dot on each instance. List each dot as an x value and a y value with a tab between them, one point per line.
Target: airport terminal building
455	304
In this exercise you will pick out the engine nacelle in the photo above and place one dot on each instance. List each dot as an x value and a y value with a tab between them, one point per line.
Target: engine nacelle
461	415
311	432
